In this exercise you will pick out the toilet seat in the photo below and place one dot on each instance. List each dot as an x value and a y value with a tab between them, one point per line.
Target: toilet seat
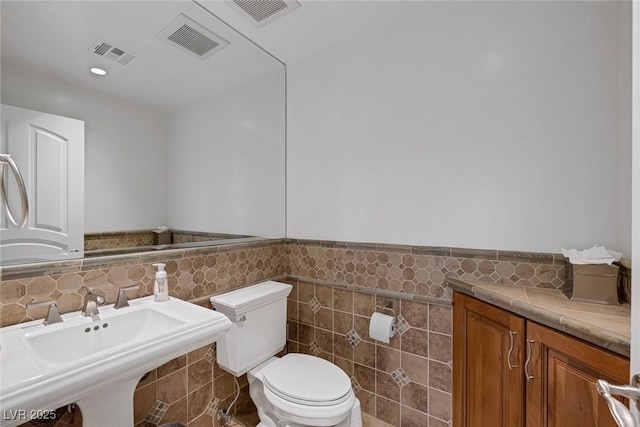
307	380
284	384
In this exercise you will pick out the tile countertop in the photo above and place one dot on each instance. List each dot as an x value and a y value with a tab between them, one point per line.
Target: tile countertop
607	326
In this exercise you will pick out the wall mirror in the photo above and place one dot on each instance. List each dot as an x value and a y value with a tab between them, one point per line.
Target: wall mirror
186	129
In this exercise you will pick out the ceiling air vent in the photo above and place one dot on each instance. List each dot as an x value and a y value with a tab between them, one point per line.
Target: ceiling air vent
191	37
112	52
262	12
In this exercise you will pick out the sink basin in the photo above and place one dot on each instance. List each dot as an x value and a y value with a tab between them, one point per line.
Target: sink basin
71	343
97	362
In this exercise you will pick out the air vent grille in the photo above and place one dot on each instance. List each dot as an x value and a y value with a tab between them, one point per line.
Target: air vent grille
102	48
191	37
262	12
193	40
109	51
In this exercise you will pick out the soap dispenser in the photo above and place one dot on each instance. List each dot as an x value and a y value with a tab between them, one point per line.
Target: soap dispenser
161	286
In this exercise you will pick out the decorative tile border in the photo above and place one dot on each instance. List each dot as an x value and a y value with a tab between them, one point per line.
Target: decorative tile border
186	236
417	271
122	239
131	239
488	254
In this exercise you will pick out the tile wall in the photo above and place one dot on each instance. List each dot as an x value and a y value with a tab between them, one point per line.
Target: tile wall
336	288
406	382
417	270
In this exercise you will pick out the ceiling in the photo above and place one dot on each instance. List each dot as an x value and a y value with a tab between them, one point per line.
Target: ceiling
55	37
318	24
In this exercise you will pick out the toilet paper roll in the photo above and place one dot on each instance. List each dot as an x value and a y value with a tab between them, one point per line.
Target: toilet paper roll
382	327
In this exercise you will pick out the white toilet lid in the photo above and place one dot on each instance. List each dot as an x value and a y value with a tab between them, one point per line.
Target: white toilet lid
308	380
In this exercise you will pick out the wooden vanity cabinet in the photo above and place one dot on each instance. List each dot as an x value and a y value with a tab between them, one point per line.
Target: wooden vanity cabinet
493	386
488	380
561	389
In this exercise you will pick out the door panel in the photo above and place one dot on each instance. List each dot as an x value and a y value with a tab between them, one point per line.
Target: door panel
49	151
50	180
565	370
486	378
487	391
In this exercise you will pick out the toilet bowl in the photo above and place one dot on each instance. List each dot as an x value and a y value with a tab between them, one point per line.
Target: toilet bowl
304	390
291	391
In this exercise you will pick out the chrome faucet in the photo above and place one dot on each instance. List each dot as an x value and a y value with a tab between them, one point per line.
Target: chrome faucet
53	315
122	297
91	303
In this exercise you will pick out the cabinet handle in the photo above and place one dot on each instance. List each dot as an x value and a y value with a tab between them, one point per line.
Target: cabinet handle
511	365
526	364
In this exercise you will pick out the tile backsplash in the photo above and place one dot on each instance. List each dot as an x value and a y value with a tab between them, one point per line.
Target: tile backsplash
192	274
336	288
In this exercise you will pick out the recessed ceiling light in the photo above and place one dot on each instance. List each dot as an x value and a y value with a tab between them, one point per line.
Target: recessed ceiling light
98	71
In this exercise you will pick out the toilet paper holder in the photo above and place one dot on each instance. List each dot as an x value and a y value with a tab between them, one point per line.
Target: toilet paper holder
387	306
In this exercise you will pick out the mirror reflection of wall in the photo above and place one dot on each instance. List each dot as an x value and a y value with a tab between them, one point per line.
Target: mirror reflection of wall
171	139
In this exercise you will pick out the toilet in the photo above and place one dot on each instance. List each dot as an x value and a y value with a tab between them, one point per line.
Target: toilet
294	390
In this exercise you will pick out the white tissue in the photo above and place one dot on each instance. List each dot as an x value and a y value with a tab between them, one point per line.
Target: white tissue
160	229
382	327
595	255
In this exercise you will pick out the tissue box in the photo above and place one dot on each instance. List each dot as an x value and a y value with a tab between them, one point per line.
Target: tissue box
596	283
161	237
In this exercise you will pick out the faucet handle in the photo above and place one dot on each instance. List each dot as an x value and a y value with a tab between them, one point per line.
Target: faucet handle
53	315
41	303
122	297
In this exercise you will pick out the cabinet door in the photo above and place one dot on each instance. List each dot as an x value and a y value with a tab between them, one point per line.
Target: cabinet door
561	381
488	388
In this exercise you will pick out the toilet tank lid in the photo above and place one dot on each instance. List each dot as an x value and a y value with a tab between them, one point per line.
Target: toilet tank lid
243	300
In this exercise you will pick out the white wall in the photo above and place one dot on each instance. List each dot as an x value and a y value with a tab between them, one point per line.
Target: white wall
125	148
226	161
475	124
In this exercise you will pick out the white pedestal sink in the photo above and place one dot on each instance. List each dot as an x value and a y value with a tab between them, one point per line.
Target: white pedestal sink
97	363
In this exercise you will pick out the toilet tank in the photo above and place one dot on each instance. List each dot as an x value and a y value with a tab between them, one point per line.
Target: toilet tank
259	317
